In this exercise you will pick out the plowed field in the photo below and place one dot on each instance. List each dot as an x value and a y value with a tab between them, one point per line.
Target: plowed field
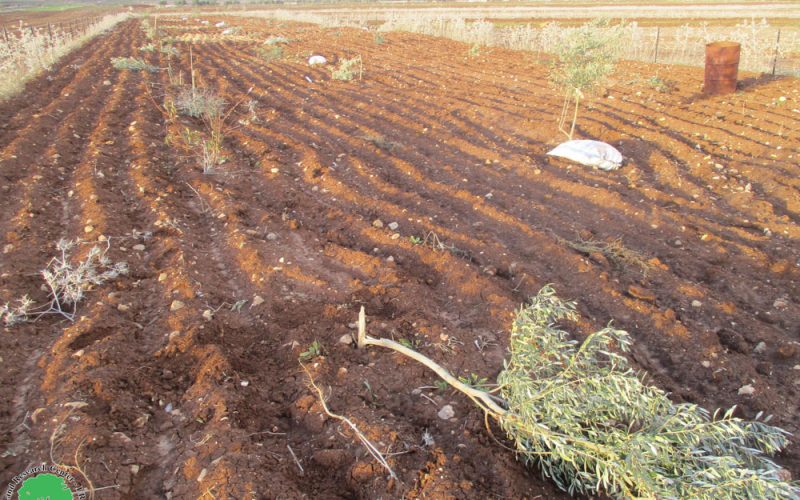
282	245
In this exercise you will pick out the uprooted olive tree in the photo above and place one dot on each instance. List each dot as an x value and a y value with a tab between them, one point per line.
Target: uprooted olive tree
580	414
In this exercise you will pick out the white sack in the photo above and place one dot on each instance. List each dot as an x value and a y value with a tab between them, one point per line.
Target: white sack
316	60
590	153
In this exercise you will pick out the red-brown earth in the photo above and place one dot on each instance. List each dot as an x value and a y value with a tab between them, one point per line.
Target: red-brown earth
164	401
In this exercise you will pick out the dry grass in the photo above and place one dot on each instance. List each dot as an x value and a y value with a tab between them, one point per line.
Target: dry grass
27	52
615	251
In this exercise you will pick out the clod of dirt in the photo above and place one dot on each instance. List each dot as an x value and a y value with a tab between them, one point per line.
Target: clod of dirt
733	341
139	247
377	223
208	315
176	305
257	301
331	459
697	303
446	412
746	390
346	339
272	236
640	293
760	348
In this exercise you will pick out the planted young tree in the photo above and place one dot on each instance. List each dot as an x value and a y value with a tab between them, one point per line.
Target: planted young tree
584	58
580	414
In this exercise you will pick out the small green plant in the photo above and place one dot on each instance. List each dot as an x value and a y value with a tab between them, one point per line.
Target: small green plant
379	39
410	343
583	60
273	53
132	64
660	84
169	50
313	351
441	385
276	40
474	50
148	48
476	381
348	69
415	240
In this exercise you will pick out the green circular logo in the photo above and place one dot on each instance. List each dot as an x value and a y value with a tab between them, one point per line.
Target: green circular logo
44	482
44	486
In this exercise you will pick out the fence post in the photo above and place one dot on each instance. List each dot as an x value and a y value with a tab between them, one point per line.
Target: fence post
775	57
658	39
5	35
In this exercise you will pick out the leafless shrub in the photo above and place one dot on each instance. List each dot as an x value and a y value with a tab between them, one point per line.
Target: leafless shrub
67	281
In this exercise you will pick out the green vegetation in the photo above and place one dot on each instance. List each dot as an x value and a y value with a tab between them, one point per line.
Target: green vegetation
274	53
348	68
580	414
314	350
132	64
583	60
587	420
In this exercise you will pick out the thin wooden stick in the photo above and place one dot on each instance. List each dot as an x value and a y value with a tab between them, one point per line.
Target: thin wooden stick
480	398
371	448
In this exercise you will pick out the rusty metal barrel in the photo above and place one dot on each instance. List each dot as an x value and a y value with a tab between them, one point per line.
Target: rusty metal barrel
722	67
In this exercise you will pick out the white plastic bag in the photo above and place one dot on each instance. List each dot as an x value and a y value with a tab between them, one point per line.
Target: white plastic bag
590	153
313	60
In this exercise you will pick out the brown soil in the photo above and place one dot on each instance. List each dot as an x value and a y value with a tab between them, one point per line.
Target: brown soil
434	140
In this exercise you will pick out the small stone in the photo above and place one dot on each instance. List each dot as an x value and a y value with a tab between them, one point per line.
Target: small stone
446	412
134	467
697	303
785	475
244	383
208	315
176	305
257	301
102	238
396	236
274	170
352	325
393	226
272	236
780	303
139	247
174	334
107	83
678	243
746	390
787	351
706	364
202	475
390	259
88	229
346	339
162	277
760	348
78	354
123	308
377	223
8	248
